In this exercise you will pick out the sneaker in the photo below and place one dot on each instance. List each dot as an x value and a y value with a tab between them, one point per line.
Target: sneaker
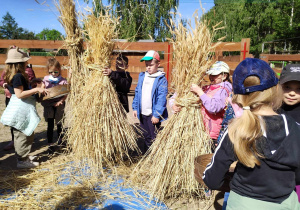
27	164
32	157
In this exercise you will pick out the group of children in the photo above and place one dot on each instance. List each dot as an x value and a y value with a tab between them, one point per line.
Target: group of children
22	90
261	136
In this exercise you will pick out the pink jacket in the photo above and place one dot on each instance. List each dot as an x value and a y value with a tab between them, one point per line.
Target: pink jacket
212	121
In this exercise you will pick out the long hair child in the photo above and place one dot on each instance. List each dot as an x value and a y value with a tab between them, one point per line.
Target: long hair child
20	112
54	108
265	144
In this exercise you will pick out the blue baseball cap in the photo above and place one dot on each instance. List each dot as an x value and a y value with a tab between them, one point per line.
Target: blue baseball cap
253	67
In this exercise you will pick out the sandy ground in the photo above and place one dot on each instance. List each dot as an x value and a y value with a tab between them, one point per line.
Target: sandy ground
8	160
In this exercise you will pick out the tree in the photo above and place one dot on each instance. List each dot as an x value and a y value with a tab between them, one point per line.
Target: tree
49	34
262	21
10	30
142	19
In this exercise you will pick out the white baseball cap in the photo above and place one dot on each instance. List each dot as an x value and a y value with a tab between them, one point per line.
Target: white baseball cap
218	68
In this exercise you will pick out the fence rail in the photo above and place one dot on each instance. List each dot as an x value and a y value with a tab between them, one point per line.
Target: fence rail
133	50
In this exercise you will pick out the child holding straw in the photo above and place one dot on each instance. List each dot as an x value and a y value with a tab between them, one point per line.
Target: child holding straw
149	103
121	79
265	144
213	98
54	108
20	112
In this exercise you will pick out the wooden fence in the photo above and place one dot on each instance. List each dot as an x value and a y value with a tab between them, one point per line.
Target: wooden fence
279	57
133	50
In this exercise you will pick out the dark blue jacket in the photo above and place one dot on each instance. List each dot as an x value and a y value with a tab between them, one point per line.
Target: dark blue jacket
159	97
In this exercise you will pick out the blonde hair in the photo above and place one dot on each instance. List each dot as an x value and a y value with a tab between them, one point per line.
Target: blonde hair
53	62
11	69
247	129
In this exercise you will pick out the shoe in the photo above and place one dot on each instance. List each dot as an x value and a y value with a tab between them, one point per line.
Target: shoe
27	164
9	146
32	157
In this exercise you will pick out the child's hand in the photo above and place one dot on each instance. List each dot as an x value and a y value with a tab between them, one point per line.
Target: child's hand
154	120
196	89
59	103
176	108
135	114
107	71
42	90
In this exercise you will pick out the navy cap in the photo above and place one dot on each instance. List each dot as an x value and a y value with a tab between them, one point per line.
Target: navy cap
253	67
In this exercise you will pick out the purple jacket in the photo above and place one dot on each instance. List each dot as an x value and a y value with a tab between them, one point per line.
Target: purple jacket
217	103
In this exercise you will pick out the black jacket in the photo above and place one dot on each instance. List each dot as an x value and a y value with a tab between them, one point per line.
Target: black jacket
292	111
276	177
122	82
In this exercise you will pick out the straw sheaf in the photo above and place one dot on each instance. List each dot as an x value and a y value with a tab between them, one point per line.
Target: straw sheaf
99	131
167	171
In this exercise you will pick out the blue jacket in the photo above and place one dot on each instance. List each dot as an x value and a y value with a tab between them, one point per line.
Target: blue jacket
159	97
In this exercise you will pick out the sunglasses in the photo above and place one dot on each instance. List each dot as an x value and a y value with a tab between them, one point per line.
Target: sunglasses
55	72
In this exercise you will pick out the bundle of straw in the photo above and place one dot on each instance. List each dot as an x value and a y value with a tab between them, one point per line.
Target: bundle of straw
168	170
100	132
74	39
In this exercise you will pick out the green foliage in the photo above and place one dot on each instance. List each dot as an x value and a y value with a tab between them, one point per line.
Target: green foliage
49	34
141	19
262	21
9	29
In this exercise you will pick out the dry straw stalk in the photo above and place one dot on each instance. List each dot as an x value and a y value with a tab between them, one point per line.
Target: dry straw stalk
168	170
100	132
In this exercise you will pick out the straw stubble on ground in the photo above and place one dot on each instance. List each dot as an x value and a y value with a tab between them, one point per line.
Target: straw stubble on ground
20	179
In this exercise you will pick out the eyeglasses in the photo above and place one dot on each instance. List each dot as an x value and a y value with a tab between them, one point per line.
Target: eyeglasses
55	72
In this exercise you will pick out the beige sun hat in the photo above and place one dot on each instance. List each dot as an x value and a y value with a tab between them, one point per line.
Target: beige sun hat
16	55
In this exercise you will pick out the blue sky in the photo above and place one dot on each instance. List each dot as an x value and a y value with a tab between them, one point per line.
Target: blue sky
35	17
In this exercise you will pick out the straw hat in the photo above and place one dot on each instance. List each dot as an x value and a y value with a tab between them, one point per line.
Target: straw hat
16	55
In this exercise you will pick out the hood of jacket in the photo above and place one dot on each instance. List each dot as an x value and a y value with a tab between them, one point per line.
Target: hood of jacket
157	74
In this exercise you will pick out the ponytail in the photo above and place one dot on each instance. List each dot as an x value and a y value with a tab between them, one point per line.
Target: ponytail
245	131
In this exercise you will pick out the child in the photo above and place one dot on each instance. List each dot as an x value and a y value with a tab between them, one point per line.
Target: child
213	98
149	103
31	76
265	144
290	82
20	112
54	108
121	79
